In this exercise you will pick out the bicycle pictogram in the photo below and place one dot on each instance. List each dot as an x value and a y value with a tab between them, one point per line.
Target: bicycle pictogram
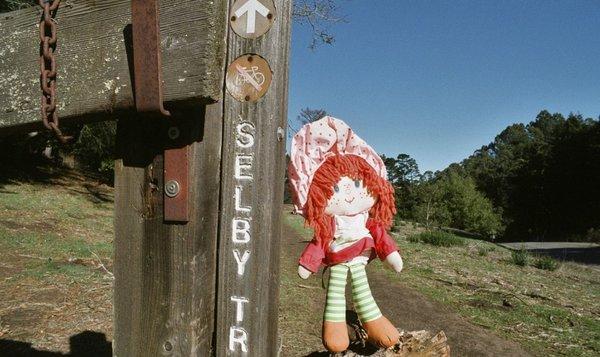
246	75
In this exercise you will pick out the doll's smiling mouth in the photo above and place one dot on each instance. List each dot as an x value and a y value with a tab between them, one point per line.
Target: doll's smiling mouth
350	200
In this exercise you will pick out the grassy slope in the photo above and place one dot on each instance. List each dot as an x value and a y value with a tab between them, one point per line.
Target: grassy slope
56	244
552	313
53	237
548	312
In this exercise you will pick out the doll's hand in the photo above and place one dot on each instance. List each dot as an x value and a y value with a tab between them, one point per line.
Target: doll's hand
394	260
303	272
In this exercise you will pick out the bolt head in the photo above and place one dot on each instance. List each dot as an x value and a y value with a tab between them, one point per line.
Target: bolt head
173	132
172	188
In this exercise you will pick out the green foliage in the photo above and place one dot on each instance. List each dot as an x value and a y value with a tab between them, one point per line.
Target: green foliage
546	263
10	5
520	257
437	238
543	176
95	148
403	174
483	250
453	200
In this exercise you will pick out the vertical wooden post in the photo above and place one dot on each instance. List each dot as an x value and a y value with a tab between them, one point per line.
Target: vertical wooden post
164	295
253	166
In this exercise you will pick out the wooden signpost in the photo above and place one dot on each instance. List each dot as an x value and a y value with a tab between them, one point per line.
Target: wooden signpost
208	285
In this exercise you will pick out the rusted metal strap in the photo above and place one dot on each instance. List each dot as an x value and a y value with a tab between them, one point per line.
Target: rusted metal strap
149	100
146	57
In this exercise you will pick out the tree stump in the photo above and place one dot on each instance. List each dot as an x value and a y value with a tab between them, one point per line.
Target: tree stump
412	344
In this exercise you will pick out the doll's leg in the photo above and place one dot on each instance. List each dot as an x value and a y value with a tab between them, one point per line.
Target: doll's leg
366	307
380	330
335	333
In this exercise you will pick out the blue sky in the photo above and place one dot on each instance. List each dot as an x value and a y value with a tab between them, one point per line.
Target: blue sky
439	79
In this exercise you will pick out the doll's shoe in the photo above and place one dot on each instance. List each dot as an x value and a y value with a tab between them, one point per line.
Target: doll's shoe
381	332
335	336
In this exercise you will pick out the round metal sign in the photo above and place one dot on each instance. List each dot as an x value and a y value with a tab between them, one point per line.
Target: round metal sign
249	78
252	18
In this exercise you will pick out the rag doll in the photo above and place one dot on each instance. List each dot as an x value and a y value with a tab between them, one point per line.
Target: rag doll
340	186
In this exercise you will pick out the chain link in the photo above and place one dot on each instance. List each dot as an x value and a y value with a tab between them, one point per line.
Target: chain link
48	68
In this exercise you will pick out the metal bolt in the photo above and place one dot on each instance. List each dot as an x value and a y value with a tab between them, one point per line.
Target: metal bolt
233	18
173	132
172	188
250	58
280	133
270	16
168	346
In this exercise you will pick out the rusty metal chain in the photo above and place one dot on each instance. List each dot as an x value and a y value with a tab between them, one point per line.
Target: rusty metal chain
48	67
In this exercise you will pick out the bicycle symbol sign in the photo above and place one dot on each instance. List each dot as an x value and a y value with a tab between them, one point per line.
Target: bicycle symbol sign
248	78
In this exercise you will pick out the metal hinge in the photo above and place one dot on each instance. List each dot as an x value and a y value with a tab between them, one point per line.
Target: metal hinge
149	100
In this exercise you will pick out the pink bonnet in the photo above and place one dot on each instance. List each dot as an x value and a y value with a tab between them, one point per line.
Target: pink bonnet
316	142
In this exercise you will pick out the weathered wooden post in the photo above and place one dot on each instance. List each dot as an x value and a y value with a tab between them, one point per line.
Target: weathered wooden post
253	167
208	286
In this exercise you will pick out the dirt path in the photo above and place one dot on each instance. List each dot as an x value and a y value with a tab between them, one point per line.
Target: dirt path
405	307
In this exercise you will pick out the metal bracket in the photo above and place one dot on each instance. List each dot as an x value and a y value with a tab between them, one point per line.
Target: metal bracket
149	100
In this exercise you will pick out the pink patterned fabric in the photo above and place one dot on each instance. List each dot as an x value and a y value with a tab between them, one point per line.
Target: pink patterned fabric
316	142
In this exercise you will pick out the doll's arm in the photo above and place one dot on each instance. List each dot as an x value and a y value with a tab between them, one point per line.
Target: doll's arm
385	246
394	260
311	259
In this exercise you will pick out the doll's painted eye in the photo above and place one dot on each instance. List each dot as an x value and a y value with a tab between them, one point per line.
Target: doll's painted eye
357	183
336	188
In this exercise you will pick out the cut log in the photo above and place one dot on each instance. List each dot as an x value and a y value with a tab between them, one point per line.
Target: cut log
412	344
92	58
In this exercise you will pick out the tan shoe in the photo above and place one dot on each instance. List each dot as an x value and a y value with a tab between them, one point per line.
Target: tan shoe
381	332
335	336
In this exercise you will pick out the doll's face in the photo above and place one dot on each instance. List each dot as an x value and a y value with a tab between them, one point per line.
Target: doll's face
350	197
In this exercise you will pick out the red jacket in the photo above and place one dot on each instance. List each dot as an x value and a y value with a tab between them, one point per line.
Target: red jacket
316	253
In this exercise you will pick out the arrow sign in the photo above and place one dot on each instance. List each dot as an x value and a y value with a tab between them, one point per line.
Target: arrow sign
251	7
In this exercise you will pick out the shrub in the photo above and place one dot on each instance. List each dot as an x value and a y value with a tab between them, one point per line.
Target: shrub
452	200
484	250
546	263
520	257
437	238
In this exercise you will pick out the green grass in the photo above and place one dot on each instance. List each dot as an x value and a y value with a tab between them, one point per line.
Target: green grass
437	238
50	225
546	263
549	313
520	257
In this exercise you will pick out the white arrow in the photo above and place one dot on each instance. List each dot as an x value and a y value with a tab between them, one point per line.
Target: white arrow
252	7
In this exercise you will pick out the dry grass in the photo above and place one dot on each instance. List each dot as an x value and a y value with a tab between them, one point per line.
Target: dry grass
56	244
548	312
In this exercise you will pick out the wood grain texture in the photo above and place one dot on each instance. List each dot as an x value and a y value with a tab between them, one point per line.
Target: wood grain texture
260	282
165	274
92	58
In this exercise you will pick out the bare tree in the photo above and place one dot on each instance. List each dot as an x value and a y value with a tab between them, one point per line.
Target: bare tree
308	115
320	15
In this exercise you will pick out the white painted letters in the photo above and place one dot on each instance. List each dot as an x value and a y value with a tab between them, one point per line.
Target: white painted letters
238	201
238	336
245	135
241	261
239	307
241	230
241	227
243	165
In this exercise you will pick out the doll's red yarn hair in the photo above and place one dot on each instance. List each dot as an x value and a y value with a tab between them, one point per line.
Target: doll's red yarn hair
321	190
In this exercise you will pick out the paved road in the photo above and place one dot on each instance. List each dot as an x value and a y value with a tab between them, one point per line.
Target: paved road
586	253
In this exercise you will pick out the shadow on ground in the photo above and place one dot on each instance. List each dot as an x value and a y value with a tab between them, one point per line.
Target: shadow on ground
584	253
84	344
579	255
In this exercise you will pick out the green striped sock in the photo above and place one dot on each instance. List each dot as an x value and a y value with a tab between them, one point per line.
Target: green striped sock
335	306
365	305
